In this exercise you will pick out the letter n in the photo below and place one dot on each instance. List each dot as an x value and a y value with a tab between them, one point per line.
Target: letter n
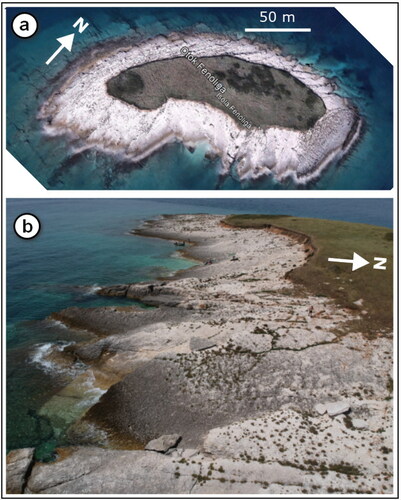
80	23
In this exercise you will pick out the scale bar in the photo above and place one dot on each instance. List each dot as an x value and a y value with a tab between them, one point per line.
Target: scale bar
278	30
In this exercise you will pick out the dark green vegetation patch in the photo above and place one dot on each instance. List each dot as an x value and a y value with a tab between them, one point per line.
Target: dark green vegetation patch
366	291
263	95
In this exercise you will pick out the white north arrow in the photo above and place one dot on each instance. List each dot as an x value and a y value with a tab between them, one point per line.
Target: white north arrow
65	43
357	261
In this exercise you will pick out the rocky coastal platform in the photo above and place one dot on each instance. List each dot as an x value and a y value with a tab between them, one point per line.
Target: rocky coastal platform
234	382
82	108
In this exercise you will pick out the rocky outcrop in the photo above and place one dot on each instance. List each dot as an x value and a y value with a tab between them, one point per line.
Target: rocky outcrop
155	294
93	470
192	393
18	468
267	397
111	320
276	453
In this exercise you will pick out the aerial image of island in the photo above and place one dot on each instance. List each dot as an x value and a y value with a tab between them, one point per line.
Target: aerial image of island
189	98
200	347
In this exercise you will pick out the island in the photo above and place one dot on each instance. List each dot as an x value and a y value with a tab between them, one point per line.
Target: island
262	113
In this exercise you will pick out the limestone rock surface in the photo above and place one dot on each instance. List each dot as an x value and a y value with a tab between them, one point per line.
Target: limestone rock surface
17	468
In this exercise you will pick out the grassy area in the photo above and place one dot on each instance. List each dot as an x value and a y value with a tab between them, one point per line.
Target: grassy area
337	281
263	95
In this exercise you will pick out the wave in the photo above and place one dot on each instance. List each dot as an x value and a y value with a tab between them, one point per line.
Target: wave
45	357
91	290
92	392
51	323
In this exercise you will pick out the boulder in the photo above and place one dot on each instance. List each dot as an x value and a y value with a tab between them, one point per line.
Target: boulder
163	443
199	344
321	409
337	408
358	423
18	466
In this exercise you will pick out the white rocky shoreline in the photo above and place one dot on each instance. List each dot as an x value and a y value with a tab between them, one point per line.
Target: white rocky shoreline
235	383
83	110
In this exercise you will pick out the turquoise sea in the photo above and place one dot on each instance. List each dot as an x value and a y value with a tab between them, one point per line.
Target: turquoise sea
85	243
334	48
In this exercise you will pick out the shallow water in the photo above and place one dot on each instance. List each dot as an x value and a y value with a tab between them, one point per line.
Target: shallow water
334	48
86	243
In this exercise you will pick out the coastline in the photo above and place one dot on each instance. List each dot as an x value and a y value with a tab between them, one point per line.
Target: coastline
251	326
303	159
